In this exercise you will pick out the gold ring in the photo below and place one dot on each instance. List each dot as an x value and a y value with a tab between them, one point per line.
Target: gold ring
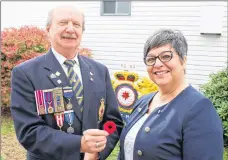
97	145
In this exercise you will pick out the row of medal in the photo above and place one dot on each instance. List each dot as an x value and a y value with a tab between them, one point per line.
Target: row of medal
51	101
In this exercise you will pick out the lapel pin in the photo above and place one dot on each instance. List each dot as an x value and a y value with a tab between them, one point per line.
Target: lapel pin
59	81
53	76
57	73
91	73
139	109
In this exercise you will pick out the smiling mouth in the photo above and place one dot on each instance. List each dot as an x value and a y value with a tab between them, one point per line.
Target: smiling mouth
161	72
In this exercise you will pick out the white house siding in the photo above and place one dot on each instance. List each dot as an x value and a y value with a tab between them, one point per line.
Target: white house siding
117	41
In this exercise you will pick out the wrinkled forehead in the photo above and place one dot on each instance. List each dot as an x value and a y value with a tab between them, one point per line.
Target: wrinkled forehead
67	13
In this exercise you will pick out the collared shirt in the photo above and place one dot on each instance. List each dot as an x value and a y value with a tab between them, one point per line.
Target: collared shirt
61	59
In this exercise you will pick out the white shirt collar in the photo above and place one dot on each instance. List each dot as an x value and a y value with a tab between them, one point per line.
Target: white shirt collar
61	58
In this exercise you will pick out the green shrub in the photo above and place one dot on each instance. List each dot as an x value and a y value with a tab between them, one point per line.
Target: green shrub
217	91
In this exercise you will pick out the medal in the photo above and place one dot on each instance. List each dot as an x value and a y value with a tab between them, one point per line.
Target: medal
70	130
69	105
68	94
42	110
59	117
50	110
40	102
58	100
69	118
49	99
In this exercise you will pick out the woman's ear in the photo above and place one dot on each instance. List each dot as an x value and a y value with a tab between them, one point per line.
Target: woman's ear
184	62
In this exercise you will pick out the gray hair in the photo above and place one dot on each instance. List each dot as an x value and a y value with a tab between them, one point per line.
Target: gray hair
167	36
50	16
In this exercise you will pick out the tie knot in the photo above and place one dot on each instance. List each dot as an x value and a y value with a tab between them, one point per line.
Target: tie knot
69	63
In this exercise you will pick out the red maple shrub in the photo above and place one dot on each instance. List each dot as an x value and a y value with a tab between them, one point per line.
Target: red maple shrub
19	45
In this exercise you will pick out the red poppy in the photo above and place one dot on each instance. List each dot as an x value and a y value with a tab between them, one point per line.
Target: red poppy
110	127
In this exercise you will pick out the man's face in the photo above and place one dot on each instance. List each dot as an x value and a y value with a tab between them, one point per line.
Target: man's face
65	30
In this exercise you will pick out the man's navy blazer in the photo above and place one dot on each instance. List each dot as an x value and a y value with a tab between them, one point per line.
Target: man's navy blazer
40	135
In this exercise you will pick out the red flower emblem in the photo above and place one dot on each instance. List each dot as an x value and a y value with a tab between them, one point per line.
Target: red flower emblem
110	127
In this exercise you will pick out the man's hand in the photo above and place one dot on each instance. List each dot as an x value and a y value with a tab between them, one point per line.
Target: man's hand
93	140
91	156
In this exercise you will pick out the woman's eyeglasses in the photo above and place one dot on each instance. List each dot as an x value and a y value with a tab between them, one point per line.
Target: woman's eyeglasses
163	57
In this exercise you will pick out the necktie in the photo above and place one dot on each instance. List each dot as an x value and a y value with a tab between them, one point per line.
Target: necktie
75	82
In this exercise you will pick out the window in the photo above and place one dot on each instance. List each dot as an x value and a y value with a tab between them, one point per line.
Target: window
111	7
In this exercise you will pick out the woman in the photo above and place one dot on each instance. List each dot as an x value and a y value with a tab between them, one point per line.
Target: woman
177	122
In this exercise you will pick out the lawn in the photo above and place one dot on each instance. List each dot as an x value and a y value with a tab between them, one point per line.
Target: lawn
11	149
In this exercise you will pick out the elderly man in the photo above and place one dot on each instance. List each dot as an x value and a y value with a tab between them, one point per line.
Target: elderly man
61	100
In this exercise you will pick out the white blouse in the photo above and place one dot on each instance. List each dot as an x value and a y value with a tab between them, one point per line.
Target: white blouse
131	136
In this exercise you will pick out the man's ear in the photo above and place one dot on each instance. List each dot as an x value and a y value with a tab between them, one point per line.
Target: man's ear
47	32
47	29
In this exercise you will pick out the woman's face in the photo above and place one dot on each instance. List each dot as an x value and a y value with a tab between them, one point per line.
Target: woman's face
169	73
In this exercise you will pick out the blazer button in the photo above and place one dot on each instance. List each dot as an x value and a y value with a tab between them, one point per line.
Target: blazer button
139	152
147	129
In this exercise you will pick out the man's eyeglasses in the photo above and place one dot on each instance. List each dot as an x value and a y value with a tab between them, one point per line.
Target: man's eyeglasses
163	57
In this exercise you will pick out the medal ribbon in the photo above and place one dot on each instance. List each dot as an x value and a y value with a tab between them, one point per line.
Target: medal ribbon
59	117
68	92
69	117
40	100
48	99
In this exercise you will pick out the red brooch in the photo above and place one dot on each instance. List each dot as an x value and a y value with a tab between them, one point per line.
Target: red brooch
110	127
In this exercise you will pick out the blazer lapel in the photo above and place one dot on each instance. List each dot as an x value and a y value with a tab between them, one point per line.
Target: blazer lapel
58	77
137	114
55	71
88	84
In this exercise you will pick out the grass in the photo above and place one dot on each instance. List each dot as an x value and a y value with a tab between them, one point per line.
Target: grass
114	154
225	155
8	128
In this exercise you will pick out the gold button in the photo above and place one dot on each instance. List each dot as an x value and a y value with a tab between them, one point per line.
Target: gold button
147	129
139	152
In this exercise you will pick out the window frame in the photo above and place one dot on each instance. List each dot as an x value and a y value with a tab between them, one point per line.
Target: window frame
116	8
